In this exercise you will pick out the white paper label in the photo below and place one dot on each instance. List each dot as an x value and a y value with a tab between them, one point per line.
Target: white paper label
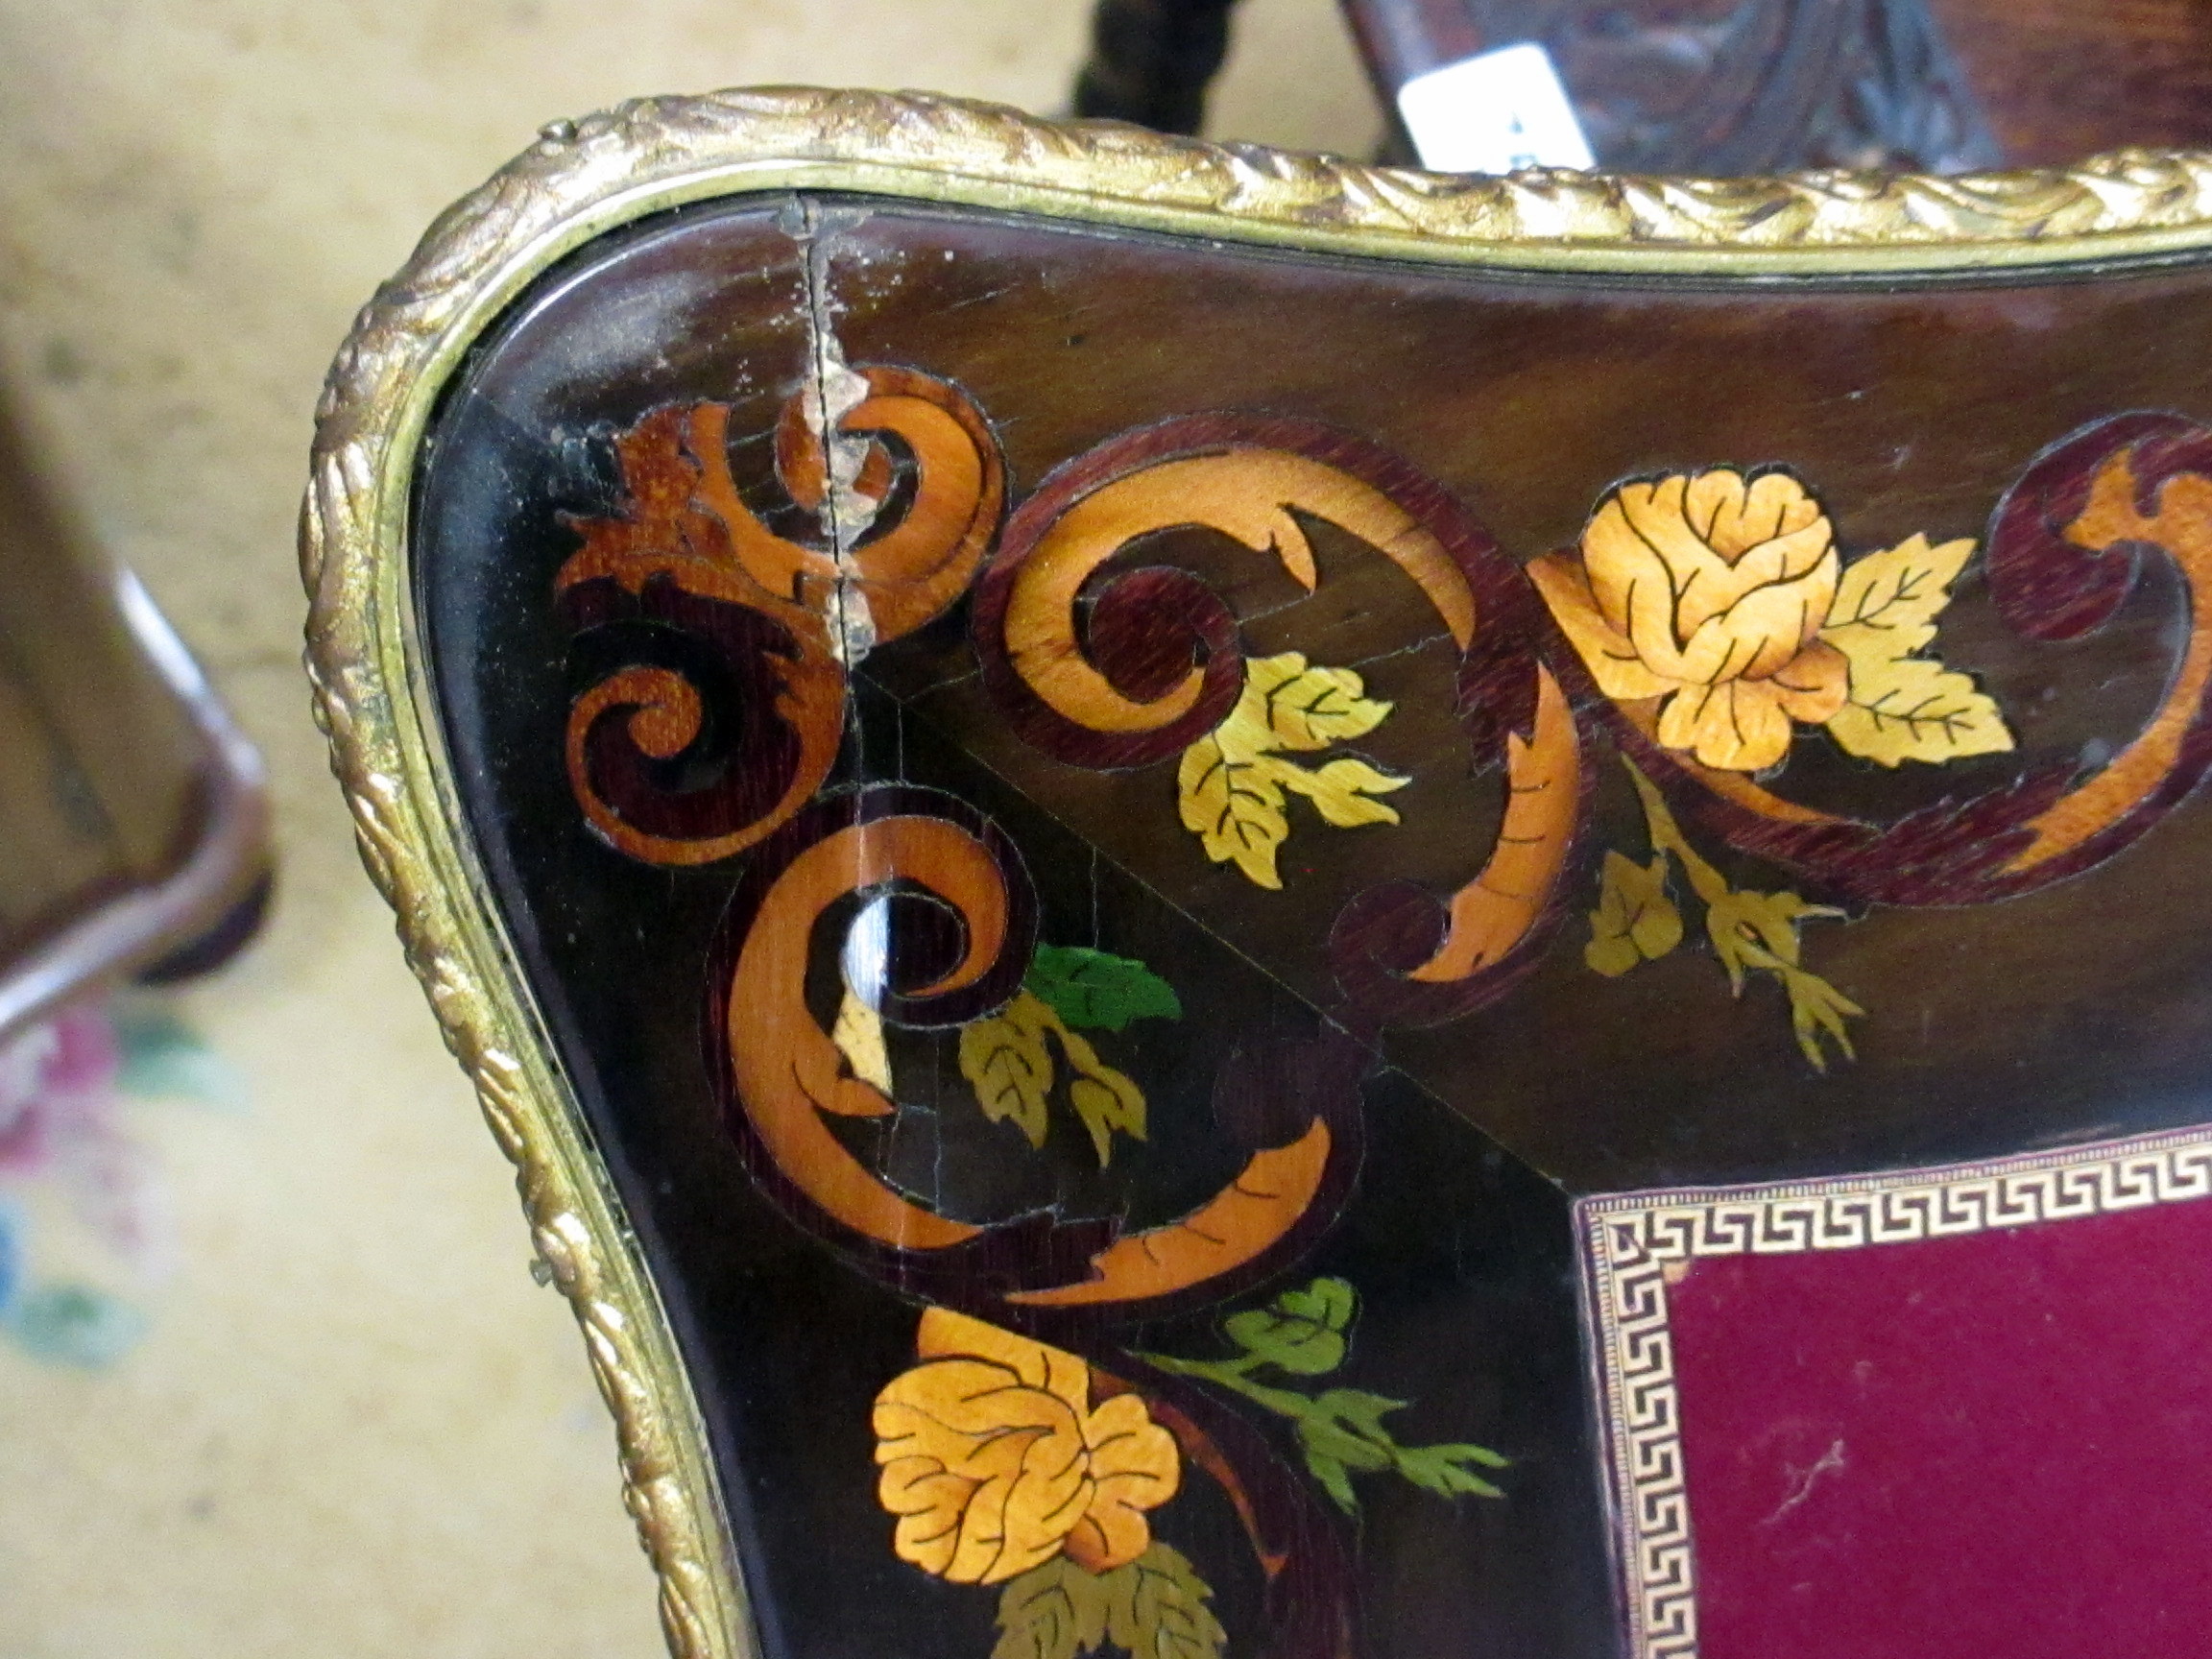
1492	113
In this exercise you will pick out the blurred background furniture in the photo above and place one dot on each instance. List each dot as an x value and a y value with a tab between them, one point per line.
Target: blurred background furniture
1727	87
133	826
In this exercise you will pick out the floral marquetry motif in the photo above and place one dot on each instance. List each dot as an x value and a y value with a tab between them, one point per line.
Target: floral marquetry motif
1721	600
1232	782
1708	592
996	1459
1168	905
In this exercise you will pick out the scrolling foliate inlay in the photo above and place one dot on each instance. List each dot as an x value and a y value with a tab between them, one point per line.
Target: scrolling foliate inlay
1533	708
1705	626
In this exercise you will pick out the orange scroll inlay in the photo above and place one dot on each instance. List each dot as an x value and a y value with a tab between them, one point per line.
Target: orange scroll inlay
787	1070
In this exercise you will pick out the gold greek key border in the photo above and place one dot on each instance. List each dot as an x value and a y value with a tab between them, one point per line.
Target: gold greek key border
1634	1238
585	178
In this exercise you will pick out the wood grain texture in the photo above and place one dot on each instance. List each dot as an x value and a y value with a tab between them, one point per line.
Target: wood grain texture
781	616
1227	473
2058	79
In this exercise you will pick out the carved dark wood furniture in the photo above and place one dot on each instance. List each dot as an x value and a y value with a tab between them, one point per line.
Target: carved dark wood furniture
133	834
1728	87
1227	904
1735	87
1150	62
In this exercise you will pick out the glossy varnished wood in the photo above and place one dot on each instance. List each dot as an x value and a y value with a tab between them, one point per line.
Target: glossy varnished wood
1909	412
1443	429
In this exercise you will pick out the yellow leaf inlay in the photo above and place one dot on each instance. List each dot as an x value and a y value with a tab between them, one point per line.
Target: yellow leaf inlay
1008	1060
1005	1059
1635	920
859	1037
1902	707
1231	785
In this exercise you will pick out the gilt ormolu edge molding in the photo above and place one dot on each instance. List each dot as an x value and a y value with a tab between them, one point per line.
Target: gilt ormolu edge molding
585	177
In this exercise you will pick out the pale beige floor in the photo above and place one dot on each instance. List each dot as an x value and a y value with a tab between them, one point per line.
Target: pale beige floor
358	1427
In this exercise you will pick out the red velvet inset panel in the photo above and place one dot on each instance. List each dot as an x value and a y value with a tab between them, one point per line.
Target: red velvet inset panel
1933	1415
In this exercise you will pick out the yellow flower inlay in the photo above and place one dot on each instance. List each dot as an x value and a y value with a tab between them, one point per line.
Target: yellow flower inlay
994	1459
1708	590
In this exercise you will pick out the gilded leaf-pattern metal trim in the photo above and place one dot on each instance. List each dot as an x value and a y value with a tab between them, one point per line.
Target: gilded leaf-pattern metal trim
381	751
584	178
